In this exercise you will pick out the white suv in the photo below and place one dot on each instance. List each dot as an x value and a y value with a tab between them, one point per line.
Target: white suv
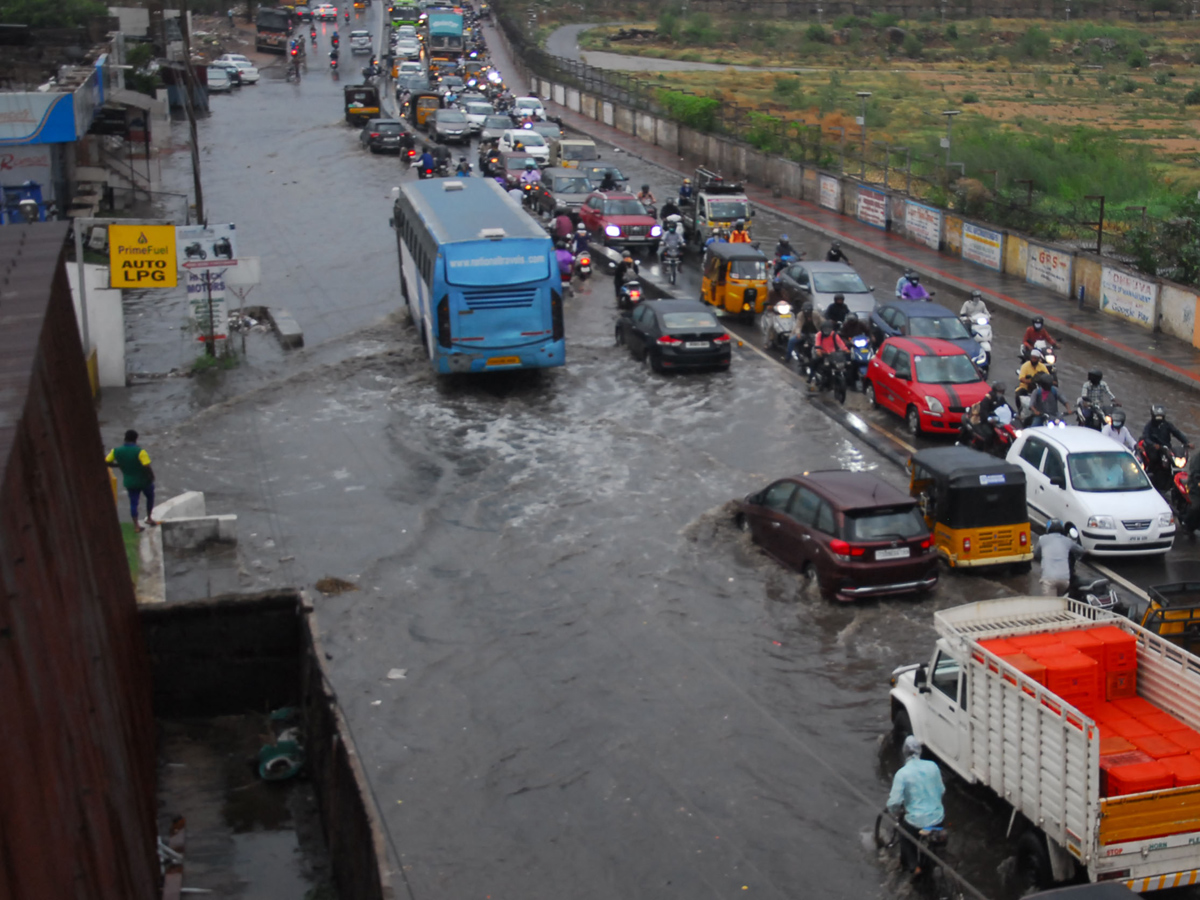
533	144
360	42
1094	484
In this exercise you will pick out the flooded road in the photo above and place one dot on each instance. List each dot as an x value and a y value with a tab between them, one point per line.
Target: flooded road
599	688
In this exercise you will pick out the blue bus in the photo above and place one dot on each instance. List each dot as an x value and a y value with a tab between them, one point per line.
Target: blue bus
479	277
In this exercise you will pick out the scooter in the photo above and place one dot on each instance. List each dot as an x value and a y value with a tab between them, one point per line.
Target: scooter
861	354
1049	357
777	322
1099	593
1181	493
670	260
583	264
630	296
980	327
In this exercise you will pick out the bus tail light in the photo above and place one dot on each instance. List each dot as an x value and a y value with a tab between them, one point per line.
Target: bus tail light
556	315
443	321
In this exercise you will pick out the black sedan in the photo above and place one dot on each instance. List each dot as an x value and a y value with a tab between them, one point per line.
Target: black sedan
674	334
385	135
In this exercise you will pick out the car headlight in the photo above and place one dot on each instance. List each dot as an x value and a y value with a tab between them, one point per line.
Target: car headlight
655	231
612	230
935	405
1165	520
1101	522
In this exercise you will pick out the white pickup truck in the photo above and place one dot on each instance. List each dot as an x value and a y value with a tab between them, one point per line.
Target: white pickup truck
992	724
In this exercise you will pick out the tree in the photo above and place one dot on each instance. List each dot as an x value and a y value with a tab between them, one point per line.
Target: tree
50	13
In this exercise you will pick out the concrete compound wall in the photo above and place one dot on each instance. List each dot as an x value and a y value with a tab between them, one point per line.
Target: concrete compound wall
106	322
1175	310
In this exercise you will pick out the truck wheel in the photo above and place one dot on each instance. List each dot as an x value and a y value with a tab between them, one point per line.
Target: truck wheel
901	725
1033	861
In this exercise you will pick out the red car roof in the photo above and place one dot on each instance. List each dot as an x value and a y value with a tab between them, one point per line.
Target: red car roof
926	346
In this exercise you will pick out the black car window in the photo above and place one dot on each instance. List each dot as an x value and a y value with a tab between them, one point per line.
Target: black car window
801	276
887	314
888	357
804	507
1053	465
900	321
903	369
1032	452
825	521
643	316
776	497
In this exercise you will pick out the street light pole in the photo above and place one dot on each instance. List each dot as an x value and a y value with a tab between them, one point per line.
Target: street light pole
949	114
862	128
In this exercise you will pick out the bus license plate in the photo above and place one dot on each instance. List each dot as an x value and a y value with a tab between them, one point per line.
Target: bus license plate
504	361
696	345
897	553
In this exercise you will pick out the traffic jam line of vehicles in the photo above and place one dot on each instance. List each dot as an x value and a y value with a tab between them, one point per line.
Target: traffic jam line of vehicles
1086	723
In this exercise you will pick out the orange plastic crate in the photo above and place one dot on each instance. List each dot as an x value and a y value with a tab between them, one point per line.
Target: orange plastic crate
1162	722
1157	746
1027	665
1088	644
1000	646
1186	769
1131	729
1025	641
1115	761
1120	647
1120	685
1106	712
1116	744
1042	652
1187	738
1136	706
1139	778
1084	701
1071	673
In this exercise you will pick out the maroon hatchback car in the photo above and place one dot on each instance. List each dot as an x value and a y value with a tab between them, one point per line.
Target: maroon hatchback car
850	533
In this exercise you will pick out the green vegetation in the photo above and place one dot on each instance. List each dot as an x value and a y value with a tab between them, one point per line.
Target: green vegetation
132	540
695	112
47	14
1169	246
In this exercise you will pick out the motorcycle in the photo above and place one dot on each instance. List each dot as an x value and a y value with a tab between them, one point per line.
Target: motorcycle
583	264
1181	493
935	839
861	354
1161	465
1099	593
195	251
631	295
409	156
777	322
222	247
333	63
670	260
425	172
997	437
1049	357
980	327
833	374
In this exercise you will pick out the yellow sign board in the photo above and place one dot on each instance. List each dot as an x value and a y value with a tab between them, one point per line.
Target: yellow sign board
142	256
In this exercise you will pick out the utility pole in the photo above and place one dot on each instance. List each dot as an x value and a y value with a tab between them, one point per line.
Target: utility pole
862	129
949	114
189	85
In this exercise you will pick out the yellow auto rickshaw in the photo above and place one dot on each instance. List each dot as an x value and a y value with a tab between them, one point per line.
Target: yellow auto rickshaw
735	279
1173	613
420	106
974	505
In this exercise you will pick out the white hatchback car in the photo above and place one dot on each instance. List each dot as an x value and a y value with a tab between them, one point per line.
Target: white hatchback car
1094	484
245	68
528	106
532	143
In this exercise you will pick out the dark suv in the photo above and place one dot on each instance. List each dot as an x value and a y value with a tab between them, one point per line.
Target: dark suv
388	135
849	533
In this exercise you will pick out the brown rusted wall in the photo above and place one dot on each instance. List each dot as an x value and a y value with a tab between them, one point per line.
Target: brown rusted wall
1000	9
77	775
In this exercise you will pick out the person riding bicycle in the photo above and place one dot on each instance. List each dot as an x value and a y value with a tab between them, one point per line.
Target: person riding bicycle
917	791
826	343
1116	430
974	306
1036	332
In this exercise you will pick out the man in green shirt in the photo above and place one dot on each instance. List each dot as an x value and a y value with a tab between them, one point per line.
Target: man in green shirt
134	463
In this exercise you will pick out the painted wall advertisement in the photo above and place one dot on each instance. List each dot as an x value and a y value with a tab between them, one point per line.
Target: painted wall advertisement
872	207
1049	268
831	192
982	246
199	285
923	224
1127	296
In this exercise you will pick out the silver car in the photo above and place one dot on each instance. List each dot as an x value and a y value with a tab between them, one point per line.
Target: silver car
568	187
407	49
477	112
449	126
494	126
817	282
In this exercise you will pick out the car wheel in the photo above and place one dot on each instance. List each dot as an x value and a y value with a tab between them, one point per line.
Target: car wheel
655	362
809	582
913	420
869	393
901	725
618	336
742	523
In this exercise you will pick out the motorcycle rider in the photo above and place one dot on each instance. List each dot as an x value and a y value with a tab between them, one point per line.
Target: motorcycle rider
674	225
1031	368
1089	414
566	259
426	163
1036	332
333	55
581	238
914	290
531	175
668	209
685	192
804	330
1056	553
717	237
835	253
464	167
852	327
608	182
837	311
672	243
974	306
826	343
917	790
739	235
1096	389
992	402
646	196
1045	399
442	157
784	247
901	283
335	40
1118	432
1157	434
627	269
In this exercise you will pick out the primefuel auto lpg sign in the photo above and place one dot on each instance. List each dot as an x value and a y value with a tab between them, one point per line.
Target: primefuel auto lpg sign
142	256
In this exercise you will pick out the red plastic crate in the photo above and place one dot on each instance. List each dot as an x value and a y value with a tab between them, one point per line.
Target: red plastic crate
1043	652
1162	722
1120	647
1084	701
1120	685
1131	728
1025	641
1157	746
1088	644
1116	744
1106	712
1186	769
1136	706
1072	673
1028	666
1000	646
1139	778
1187	738
1116	760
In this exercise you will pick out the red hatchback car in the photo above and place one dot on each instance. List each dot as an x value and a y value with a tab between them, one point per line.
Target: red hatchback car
929	383
850	533
620	220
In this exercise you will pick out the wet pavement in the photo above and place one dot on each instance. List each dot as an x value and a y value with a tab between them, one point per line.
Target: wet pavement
608	690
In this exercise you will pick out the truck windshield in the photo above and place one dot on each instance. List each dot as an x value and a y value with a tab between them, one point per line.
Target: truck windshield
727	210
1106	472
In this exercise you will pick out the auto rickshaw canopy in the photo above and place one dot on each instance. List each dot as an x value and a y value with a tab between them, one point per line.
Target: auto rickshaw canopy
731	252
969	489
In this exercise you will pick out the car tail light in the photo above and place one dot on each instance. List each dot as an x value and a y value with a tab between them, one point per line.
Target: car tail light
966	545
927	543
845	550
666	340
1024	539
374	134
721	339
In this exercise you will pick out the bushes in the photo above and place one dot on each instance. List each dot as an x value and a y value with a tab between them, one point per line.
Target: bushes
60	14
970	98
688	109
1136	58
912	46
1033	44
1192	98
698	29
884	20
816	33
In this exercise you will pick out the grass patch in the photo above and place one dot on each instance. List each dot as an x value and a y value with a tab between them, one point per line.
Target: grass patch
132	540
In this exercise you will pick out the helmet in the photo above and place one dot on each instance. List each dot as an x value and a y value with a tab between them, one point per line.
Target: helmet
999	387
850	317
1044	381
1038	321
530	164
913	278
1035	354
1055	526
836	245
627	257
1118	418
783	238
839	298
975	295
1094	375
645	188
826	327
674	219
560	244
807	307
687	181
907	272
912	748
740	223
1158	411
581	228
